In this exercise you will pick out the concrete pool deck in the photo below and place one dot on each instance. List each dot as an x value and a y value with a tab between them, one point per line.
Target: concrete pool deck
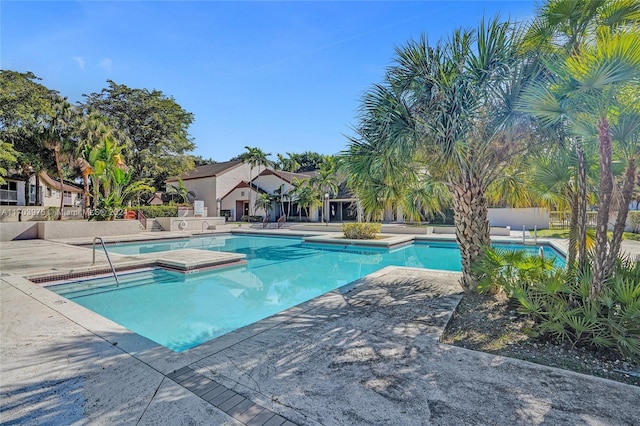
367	356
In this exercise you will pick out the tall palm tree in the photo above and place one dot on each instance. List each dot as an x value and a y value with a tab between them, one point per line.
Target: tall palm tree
587	91
55	134
255	157
450	103
91	130
290	165
564	27
326	182
297	186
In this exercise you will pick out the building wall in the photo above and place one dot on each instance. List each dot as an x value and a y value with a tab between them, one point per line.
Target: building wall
239	194
271	183
205	190
517	218
228	180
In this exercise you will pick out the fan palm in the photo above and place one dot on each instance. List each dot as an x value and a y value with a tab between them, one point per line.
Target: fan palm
566	28
447	105
586	92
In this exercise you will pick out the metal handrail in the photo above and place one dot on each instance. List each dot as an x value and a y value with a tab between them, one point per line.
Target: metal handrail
142	219
282	220
108	258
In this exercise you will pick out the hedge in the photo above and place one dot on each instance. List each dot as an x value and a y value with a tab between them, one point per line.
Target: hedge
361	231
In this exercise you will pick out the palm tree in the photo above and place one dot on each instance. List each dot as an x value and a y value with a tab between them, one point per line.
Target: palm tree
297	188
289	165
264	201
55	134
308	198
587	91
564	26
91	130
383	180
180	191
255	157
447	106
326	181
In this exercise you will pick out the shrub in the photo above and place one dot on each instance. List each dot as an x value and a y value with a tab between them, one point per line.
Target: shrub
361	231
156	211
251	218
560	304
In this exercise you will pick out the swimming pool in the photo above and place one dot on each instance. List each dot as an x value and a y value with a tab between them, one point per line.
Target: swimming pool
181	311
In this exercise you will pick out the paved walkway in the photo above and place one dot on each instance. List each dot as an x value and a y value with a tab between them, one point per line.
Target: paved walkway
367	356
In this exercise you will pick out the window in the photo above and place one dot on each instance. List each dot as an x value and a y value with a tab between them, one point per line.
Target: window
48	192
242	193
57	193
9	194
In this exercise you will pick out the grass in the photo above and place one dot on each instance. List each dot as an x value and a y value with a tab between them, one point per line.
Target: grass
564	233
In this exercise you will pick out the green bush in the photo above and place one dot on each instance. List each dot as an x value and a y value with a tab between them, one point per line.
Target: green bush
360	230
251	218
156	211
560	303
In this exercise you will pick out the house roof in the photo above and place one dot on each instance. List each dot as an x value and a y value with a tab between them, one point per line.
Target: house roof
208	170
245	184
286	176
52	183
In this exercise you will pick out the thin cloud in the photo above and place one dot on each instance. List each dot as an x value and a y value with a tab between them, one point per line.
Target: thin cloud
105	64
80	61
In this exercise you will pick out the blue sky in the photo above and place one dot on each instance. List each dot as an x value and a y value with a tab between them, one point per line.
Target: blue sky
282	76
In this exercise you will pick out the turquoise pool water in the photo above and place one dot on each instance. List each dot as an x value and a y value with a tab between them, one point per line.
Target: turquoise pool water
181	311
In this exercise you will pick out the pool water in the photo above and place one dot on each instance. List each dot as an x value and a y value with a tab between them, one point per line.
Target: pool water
180	311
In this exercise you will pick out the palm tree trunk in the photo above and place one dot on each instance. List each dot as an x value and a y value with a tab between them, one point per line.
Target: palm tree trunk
602	221
573	233
85	194
250	205
472	225
628	185
581	206
56	152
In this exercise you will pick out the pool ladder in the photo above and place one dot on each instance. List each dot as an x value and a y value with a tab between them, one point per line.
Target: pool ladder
113	270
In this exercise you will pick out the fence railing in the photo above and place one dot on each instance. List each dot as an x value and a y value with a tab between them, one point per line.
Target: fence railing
562	219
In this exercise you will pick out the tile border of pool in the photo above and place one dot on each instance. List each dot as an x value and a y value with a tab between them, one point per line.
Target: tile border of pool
149	351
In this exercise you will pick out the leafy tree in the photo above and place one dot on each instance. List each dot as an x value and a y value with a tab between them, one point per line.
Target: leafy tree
199	160
308	161
156	127
23	100
8	159
255	157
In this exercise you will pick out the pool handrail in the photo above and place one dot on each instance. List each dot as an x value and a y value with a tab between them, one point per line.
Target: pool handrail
108	258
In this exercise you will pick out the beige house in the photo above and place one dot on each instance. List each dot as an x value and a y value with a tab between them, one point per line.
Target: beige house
212	181
50	192
224	188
